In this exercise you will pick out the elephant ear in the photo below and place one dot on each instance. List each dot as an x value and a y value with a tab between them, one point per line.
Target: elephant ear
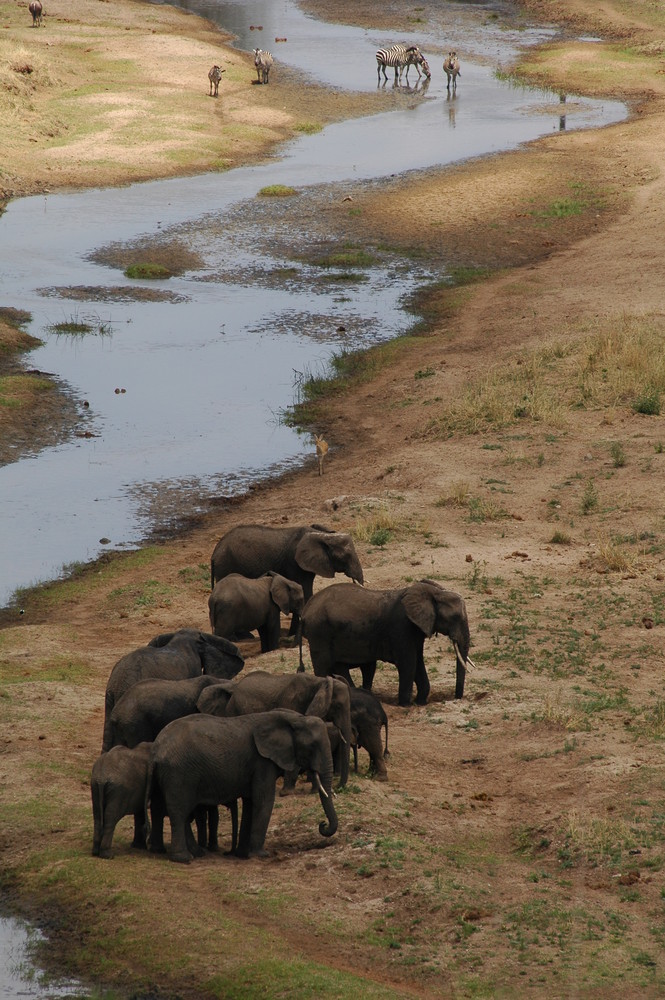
280	593
320	703
162	640
273	737
312	554
420	608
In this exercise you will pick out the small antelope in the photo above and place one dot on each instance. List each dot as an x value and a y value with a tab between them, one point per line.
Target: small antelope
321	451
215	75
36	10
263	61
451	68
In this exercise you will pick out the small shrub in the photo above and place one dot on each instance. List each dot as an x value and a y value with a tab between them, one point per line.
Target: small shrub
589	498
618	455
648	403
277	191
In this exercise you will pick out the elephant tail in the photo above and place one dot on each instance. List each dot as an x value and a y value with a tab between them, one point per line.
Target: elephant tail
301	665
386	751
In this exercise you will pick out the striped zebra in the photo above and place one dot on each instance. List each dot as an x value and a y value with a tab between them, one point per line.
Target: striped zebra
451	68
215	75
398	57
263	61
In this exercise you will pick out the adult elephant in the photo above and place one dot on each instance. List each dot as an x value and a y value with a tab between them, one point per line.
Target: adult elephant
299	554
327	698
204	760
347	626
240	604
170	656
147	706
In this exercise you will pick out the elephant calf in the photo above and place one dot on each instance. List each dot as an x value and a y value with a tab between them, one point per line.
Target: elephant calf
117	787
239	604
149	705
368	718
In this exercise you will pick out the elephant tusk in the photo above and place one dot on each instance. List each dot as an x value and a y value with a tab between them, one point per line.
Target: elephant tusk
319	785
459	656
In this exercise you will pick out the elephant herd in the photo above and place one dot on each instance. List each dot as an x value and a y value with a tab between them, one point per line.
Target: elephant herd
183	734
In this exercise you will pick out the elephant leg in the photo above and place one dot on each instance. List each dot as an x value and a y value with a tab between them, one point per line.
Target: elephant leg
213	828
368	670
406	669
263	801
111	818
421	679
180	842
233	809
192	846
371	741
242	850
139	830
269	636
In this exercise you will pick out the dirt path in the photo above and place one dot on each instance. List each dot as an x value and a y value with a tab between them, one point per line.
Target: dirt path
514	455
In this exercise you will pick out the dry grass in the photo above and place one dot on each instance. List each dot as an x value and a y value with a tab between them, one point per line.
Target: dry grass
610	363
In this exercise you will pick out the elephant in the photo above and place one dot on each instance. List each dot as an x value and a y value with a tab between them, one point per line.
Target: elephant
299	554
349	626
170	656
117	788
147	706
239	604
368	717
259	691
204	760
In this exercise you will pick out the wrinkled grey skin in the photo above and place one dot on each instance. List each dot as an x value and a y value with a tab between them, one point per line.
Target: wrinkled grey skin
239	604
299	554
368	717
326	698
349	626
171	656
203	760
149	705
117	788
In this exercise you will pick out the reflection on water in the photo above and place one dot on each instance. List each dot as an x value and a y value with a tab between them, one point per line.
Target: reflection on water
208	359
20	979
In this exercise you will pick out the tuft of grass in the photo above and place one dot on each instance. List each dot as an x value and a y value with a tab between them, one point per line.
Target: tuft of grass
648	403
589	501
277	191
618	455
147	271
560	538
377	530
614	556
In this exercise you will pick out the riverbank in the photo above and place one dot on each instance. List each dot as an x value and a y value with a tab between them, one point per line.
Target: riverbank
514	453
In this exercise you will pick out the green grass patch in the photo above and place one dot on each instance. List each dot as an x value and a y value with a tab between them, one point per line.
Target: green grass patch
277	191
147	271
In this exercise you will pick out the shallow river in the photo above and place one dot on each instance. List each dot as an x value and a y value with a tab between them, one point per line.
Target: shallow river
207	370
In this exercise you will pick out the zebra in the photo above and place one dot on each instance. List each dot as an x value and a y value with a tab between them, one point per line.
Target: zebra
399	56
263	61
451	68
215	75
36	10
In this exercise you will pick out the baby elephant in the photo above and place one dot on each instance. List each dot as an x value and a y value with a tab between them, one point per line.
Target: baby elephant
238	604
367	720
117	786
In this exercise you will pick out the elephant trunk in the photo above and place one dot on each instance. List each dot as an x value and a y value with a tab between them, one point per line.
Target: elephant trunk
326	795
460	675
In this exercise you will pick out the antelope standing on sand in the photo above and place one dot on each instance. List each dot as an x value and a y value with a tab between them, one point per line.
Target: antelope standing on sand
215	75
321	451
36	10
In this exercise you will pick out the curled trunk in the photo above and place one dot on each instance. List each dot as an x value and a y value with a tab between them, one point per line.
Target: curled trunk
324	784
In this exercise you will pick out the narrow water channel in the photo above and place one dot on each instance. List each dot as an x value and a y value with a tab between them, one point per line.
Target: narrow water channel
203	373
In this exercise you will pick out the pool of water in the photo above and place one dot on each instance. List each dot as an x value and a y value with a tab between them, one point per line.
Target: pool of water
207	371
20	978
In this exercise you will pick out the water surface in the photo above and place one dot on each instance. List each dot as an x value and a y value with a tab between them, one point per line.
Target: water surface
206	372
